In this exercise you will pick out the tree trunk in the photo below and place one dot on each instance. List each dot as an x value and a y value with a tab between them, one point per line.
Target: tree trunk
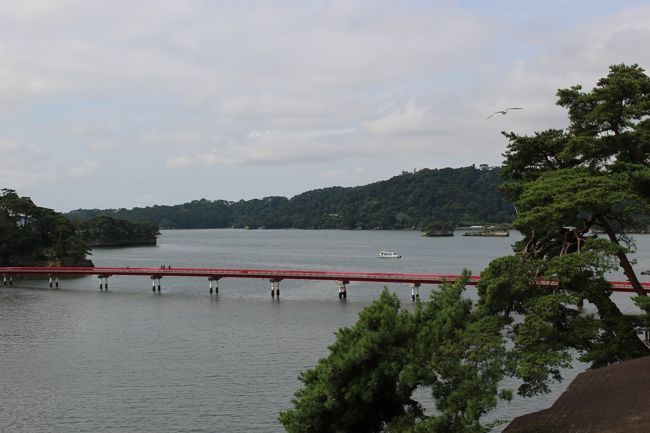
622	257
625	344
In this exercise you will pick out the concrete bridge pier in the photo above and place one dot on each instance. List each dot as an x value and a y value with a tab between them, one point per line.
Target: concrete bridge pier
153	282
103	279
343	290
4	279
216	284
415	291
54	278
275	287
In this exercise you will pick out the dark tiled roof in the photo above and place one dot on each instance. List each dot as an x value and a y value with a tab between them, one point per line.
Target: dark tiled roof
612	399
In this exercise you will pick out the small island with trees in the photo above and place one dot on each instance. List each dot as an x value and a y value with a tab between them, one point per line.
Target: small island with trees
31	235
106	231
489	231
438	229
35	236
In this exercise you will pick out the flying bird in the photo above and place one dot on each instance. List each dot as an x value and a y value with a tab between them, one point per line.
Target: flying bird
504	111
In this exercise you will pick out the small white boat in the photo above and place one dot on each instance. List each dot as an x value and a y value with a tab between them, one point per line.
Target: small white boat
388	255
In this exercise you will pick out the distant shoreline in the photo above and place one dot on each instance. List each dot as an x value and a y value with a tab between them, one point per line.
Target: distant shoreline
121	244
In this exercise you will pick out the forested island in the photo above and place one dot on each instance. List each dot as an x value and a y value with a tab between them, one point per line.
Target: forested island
35	236
31	235
411	200
105	231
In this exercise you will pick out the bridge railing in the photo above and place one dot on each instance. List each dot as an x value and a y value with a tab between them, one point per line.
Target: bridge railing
276	274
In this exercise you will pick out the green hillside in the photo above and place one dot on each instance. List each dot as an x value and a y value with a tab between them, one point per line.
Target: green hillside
462	196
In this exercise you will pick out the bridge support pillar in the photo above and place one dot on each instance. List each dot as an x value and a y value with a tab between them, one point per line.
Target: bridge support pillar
11	280
153	282
343	290
415	291
4	279
214	280
103	281
275	288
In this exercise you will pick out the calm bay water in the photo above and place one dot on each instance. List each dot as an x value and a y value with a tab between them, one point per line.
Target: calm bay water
129	360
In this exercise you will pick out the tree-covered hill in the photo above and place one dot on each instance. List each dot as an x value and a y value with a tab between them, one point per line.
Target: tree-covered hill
412	200
35	236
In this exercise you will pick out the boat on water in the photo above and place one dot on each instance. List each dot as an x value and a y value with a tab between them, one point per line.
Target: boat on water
388	255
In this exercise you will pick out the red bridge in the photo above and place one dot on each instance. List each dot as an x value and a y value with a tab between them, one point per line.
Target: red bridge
273	275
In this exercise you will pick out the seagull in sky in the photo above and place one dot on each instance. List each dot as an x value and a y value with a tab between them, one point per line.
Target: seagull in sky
504	111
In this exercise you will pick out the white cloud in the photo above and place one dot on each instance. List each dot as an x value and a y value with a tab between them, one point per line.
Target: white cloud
337	176
200	84
86	168
25	165
201	160
272	147
410	119
577	55
7	147
144	200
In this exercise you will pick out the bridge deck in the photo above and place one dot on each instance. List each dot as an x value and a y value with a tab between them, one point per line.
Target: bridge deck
269	274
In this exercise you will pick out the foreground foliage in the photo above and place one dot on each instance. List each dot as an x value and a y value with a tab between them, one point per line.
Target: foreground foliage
528	322
366	383
566	185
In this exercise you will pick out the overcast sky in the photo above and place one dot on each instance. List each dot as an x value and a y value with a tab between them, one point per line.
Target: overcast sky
110	104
